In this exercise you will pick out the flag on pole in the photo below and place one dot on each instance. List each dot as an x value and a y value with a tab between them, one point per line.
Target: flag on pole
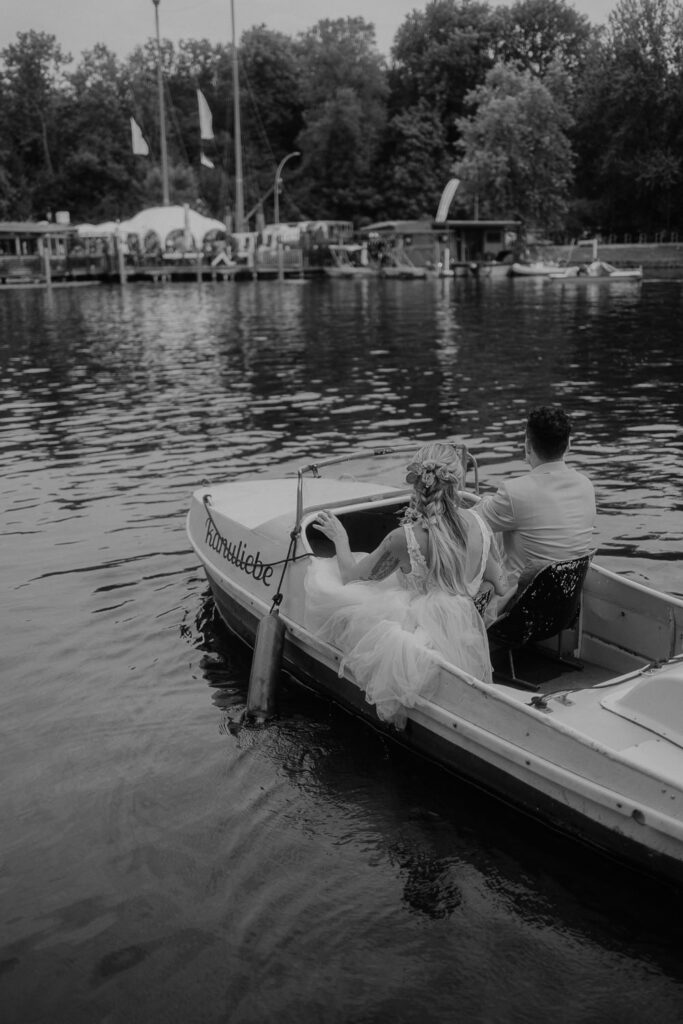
205	119
140	147
205	162
446	200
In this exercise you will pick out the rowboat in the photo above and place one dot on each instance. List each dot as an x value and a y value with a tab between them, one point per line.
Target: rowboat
587	736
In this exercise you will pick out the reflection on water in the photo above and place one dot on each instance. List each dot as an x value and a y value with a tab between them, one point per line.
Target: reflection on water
158	857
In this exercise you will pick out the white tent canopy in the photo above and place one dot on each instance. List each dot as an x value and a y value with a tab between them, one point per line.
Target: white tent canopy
163	221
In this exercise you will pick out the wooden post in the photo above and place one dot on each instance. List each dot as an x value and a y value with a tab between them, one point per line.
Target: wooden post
45	246
280	261
120	257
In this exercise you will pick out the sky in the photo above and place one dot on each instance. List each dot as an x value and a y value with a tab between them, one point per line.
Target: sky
123	24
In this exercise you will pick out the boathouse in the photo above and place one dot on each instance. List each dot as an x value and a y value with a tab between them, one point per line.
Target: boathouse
425	241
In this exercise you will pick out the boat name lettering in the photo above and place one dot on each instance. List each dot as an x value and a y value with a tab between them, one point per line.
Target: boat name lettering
237	555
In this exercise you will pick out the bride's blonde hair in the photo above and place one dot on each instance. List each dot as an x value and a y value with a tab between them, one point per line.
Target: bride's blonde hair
437	474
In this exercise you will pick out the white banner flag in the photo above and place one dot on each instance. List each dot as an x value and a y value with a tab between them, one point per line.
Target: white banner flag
140	147
446	200
205	119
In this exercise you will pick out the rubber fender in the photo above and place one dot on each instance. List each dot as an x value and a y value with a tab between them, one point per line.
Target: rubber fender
265	668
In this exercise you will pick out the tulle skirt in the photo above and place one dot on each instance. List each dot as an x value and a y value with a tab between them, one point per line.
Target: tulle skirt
389	632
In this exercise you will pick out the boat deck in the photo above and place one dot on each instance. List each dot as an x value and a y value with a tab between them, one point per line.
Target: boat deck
545	671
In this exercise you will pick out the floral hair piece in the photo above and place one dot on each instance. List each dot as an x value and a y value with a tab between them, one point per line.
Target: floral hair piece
427	473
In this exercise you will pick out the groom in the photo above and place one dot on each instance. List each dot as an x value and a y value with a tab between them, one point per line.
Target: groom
548	514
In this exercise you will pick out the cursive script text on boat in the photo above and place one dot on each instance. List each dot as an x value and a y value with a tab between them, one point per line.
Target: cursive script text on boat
238	555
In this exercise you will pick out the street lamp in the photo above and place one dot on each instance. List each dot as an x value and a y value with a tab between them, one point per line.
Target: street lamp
278	174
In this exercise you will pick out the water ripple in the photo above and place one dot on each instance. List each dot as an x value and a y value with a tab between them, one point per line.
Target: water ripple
158	856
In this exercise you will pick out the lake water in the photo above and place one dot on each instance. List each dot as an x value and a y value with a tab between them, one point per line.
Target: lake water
159	863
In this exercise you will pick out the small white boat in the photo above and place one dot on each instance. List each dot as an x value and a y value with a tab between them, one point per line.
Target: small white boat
536	268
399	264
595	752
347	261
597	270
494	269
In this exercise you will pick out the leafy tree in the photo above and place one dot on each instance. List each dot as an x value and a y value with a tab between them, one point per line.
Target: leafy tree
270	71
339	161
538	34
271	105
182	186
32	80
517	160
419	163
98	177
440	55
199	64
143	99
341	54
344	95
193	65
630	119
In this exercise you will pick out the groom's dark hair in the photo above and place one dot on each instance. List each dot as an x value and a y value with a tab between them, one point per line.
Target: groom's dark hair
548	428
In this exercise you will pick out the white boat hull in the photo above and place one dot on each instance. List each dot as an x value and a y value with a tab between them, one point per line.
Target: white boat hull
403	272
588	764
538	269
584	275
350	271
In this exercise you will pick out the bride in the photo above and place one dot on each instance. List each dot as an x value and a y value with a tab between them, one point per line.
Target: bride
390	610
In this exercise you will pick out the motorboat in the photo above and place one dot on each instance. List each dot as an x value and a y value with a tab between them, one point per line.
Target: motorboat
597	270
586	735
535	268
398	264
494	269
349	261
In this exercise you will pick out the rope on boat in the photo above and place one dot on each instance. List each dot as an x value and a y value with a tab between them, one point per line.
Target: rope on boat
271	565
289	557
270	635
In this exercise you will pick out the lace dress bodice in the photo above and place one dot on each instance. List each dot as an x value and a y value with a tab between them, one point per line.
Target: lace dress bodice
418	577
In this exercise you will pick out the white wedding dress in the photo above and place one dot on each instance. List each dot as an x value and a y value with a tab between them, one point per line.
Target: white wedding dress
389	630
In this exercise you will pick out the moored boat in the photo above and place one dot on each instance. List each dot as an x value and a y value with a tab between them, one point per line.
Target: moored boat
398	264
349	260
535	268
597	270
596	750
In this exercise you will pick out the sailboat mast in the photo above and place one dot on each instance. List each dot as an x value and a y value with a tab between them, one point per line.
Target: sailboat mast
162	114
239	179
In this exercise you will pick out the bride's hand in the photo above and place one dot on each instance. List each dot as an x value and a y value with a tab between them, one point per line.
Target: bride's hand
328	524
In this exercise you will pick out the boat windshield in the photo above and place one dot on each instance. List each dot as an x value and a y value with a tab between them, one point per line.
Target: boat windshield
385	465
382	465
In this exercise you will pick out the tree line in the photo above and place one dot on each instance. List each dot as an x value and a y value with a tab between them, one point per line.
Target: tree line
543	117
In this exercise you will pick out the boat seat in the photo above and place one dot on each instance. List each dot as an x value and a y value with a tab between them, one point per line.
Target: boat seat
548	604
